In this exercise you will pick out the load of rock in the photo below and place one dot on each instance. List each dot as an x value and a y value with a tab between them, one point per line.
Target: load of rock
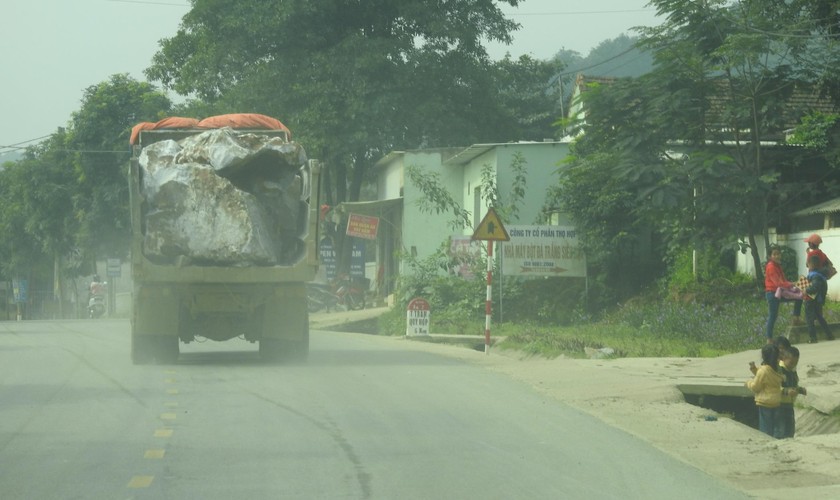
224	198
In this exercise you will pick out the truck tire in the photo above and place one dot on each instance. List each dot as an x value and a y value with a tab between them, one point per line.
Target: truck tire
147	349
167	350
284	350
142	349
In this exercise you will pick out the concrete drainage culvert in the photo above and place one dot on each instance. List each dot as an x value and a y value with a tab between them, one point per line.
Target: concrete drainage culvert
738	404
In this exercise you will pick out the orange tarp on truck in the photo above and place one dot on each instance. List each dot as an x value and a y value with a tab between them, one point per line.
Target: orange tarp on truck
235	120
243	120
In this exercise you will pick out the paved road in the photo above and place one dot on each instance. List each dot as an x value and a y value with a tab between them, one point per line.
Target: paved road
365	418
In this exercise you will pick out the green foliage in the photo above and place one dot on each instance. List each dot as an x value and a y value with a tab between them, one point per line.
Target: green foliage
507	207
36	208
612	234
820	131
456	302
789	262
676	158
544	301
340	75
99	136
731	321
436	198
712	272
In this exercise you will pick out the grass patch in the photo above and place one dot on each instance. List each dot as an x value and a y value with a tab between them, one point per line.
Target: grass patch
643	327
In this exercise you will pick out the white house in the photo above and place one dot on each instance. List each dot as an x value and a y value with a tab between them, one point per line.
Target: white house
406	229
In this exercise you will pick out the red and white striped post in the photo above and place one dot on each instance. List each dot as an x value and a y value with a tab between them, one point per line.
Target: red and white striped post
488	306
491	230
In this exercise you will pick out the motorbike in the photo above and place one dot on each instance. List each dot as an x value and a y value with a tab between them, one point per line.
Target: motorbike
351	293
320	297
96	303
96	306
346	292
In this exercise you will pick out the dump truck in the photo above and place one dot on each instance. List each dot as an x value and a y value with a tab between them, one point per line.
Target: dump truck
224	221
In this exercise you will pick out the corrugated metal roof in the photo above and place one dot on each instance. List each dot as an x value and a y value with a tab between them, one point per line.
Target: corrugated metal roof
828	207
476	150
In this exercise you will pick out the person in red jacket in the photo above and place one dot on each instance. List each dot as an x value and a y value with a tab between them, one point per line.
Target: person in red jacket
774	278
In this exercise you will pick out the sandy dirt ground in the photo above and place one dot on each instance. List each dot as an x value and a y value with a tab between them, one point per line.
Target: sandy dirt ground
640	396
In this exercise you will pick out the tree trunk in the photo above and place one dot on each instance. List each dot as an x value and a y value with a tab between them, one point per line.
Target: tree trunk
58	288
759	272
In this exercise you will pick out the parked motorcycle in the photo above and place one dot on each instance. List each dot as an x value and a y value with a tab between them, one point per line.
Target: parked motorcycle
343	291
351	293
321	297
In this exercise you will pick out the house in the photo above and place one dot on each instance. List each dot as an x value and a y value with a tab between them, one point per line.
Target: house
405	228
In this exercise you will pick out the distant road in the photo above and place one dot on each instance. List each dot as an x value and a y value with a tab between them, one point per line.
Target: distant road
365	418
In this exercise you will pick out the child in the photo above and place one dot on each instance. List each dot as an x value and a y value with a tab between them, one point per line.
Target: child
767	387
785	420
817	289
782	343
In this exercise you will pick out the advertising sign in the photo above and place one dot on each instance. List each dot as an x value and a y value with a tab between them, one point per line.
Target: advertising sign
326	252
113	268
543	251
357	259
20	288
362	226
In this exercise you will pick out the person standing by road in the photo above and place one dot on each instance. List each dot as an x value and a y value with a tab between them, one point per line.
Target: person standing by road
774	278
766	385
786	419
814	241
817	290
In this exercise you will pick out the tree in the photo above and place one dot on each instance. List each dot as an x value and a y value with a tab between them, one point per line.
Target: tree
688	139
99	134
37	211
357	80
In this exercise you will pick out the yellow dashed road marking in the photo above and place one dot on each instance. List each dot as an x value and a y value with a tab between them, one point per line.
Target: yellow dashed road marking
163	433
168	416
171	404
141	481
154	454
169	381
172	391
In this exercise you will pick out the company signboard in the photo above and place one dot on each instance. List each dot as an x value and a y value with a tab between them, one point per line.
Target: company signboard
543	251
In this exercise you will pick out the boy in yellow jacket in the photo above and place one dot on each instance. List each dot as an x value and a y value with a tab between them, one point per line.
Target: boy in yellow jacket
767	387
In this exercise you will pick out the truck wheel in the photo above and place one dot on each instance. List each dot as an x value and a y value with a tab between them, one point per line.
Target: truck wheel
142	352
283	350
167	350
270	350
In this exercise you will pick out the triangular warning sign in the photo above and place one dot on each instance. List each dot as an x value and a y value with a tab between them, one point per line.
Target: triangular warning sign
491	228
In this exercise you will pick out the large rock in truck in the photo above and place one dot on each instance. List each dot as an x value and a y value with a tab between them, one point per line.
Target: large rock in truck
223	238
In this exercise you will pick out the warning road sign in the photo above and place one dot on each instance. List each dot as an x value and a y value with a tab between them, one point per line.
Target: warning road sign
491	228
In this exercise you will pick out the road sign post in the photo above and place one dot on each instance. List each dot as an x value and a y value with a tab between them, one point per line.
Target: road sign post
490	229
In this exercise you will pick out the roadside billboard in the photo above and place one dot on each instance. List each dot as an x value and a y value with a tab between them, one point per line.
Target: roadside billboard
543	251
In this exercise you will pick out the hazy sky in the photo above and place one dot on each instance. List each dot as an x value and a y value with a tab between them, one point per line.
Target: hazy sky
54	49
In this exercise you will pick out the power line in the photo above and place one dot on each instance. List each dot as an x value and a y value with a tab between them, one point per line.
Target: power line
20	145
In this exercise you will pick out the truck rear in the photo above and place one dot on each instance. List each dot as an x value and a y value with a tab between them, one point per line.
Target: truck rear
224	231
